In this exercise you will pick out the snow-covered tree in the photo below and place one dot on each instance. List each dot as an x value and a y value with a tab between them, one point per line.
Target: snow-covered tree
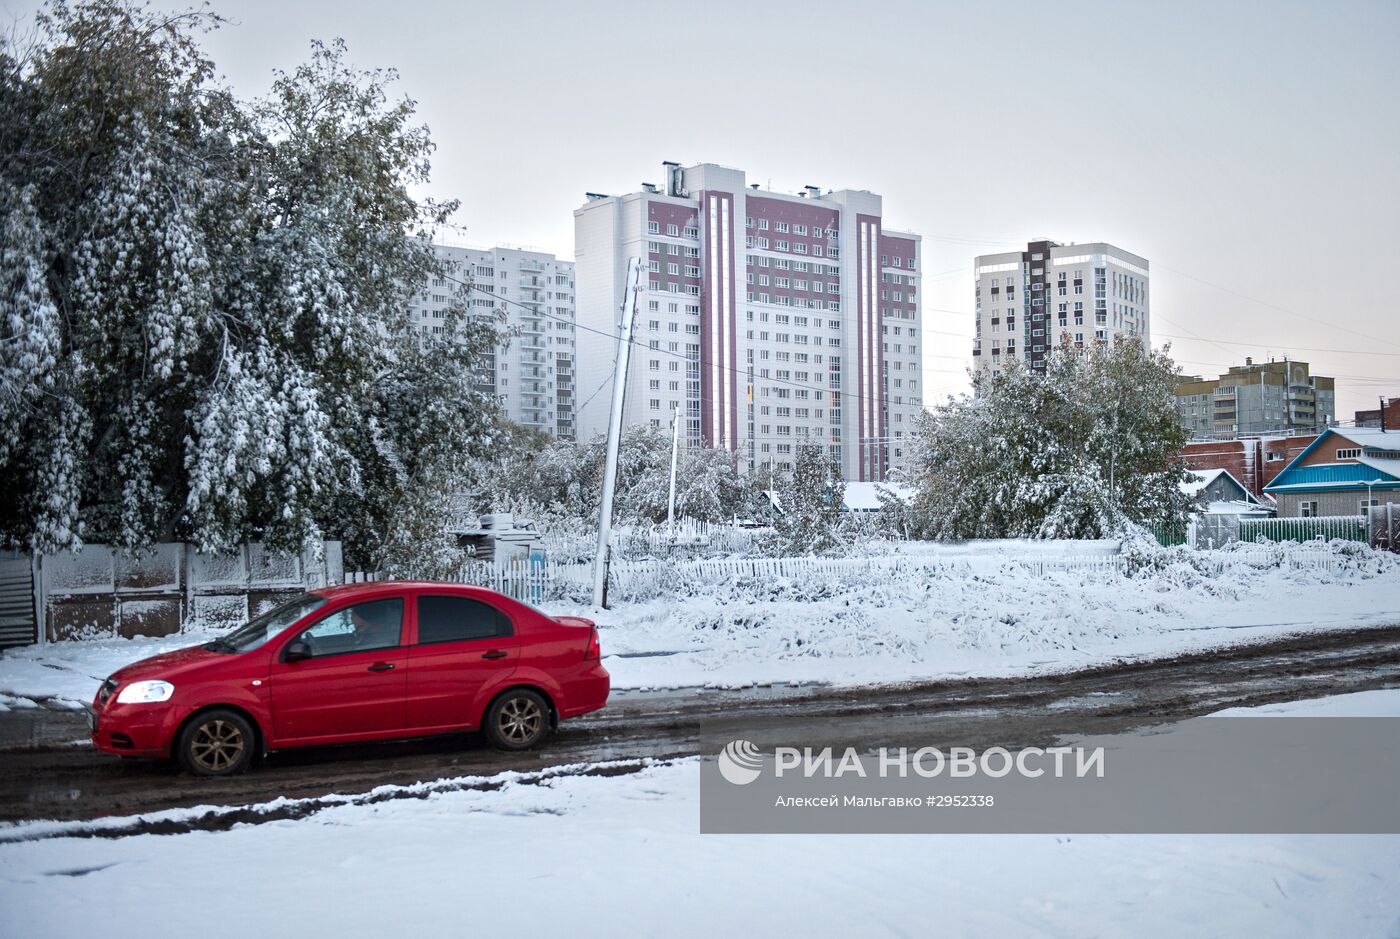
810	502
203	301
1075	453
559	479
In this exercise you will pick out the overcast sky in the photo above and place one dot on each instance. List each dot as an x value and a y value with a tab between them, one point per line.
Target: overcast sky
1248	150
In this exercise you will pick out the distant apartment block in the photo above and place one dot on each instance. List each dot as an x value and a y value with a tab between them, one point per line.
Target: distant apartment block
1028	301
533	371
1267	398
771	319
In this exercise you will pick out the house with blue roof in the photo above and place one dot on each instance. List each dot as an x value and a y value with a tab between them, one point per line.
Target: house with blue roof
1340	473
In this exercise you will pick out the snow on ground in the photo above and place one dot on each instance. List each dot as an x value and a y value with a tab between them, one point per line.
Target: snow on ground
952	619
1383	702
621	855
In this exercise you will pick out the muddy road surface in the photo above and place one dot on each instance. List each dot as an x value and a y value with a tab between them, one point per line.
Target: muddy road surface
58	779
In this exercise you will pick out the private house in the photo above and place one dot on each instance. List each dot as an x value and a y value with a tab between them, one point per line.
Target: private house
1342	472
1218	492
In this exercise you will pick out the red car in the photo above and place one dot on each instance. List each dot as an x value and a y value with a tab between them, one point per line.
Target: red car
356	663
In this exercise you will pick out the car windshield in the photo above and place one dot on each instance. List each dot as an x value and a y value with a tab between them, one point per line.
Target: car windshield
260	630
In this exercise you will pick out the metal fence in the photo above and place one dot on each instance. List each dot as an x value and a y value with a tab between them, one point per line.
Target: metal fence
1168	535
1345	527
1384	522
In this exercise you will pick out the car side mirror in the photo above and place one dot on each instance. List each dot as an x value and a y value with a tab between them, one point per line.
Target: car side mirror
296	651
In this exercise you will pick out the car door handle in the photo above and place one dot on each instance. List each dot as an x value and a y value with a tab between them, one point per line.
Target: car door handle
381	666
494	654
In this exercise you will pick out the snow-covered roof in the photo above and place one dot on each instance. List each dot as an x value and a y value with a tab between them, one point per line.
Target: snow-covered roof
1203	478
1199	480
1387	466
1370	436
1237	507
859	497
864	497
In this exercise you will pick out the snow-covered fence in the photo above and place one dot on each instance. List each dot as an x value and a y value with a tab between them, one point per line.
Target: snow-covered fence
1324	556
1328	527
526	581
638	580
644	579
691	538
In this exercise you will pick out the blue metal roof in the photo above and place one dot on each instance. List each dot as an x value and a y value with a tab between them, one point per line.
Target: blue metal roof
1331	476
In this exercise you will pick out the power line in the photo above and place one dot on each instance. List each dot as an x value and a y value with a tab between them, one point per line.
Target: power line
1275	306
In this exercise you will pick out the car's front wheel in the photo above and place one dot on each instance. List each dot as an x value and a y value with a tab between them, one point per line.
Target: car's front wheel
216	743
517	720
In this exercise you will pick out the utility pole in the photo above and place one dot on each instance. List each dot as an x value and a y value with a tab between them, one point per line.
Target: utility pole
675	453
624	348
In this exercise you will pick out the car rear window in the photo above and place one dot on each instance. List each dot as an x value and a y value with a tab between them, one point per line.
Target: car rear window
454	619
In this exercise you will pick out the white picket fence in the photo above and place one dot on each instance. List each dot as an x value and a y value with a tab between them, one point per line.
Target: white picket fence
518	578
1319	556
639	580
647	579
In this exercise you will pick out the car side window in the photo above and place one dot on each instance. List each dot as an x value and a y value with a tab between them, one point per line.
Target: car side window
362	627
454	619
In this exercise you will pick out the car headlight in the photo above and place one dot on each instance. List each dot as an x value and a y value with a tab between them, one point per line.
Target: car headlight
146	692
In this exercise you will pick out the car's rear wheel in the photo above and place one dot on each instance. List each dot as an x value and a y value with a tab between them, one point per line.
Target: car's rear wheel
517	720
216	743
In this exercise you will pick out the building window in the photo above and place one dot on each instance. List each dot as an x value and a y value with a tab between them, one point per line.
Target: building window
1307	510
654	228
1349	454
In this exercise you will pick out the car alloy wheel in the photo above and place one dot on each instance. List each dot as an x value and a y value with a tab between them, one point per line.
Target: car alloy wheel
218	743
518	720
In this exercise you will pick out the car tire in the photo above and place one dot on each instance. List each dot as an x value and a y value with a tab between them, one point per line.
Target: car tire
216	743
517	720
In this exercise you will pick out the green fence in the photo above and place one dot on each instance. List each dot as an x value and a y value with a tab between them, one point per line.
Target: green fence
1345	527
1167	535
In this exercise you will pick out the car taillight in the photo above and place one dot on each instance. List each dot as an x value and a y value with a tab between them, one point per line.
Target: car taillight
595	651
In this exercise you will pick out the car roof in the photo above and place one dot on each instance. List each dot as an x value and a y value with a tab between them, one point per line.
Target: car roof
381	587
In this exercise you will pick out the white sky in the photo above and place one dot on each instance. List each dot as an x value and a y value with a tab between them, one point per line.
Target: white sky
1249	146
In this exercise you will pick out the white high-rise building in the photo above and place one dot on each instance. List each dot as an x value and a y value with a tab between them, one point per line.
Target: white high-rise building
1028	300
771	319
533	371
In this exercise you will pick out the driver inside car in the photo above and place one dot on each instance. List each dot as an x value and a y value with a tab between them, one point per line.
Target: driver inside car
376	626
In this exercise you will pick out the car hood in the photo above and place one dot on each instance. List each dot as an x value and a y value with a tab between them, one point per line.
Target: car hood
167	664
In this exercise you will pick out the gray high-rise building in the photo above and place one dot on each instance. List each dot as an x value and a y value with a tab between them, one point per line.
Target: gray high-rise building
533	371
1027	301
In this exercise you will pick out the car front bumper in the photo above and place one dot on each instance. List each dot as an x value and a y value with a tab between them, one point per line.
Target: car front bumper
133	729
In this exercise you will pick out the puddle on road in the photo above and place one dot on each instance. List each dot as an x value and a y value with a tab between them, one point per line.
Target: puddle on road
1094	699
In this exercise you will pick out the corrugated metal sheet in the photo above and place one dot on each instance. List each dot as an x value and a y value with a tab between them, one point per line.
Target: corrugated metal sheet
17	624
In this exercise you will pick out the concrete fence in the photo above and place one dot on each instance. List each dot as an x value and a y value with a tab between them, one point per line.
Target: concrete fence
102	591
